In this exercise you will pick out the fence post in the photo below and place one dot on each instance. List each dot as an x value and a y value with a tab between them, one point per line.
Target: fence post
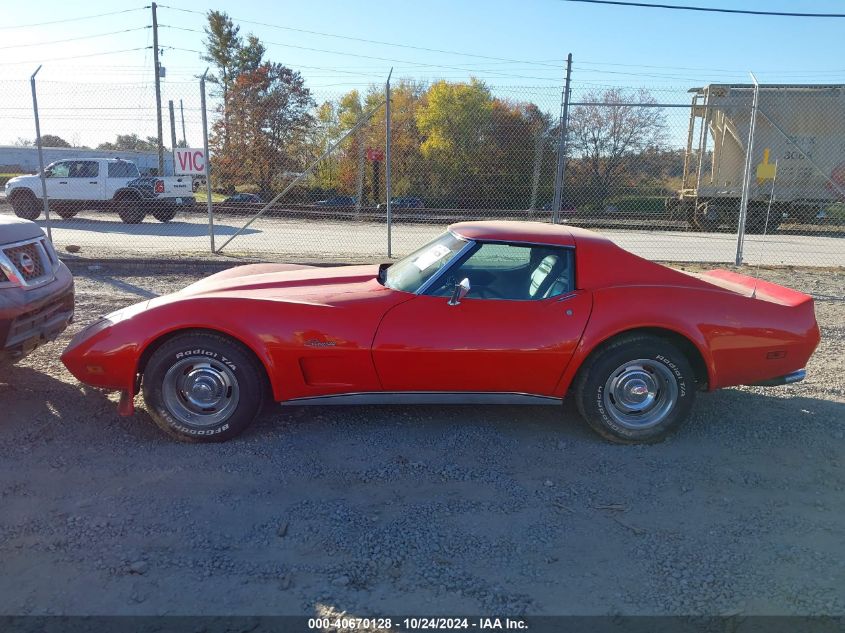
746	181
359	185
535	177
561	143
387	174
40	155
207	161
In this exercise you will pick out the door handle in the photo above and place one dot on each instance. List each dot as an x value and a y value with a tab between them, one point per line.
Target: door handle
63	182
92	182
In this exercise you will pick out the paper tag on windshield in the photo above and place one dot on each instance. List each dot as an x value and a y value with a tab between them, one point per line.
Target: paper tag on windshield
434	254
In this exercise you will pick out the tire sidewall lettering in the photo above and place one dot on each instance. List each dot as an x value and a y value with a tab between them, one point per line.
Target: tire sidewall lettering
204	353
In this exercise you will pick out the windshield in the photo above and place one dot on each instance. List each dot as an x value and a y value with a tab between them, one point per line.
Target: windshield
410	273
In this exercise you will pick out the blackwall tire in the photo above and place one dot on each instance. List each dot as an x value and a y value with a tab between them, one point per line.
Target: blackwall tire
130	211
637	389
203	387
26	205
164	215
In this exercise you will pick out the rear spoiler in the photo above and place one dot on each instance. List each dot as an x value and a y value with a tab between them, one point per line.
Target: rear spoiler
750	286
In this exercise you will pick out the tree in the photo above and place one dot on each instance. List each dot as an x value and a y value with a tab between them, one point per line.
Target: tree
454	120
51	140
223	50
131	142
270	114
603	137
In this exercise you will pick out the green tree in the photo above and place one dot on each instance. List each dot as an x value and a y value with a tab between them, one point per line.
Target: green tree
454	120
223	47
51	140
131	142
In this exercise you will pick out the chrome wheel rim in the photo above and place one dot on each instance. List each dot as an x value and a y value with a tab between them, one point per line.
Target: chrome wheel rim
640	394
200	391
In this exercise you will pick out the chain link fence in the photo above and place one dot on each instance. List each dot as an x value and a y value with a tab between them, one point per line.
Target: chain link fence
299	175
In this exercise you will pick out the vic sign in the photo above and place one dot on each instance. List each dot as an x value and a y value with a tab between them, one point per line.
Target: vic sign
189	161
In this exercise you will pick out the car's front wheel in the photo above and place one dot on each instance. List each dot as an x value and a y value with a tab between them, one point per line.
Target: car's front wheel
203	387
638	388
26	205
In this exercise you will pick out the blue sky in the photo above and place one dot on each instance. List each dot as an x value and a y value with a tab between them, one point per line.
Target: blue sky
667	51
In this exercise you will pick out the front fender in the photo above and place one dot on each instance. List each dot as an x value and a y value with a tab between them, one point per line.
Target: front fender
107	354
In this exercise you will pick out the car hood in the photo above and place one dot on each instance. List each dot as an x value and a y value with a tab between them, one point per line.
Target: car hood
14	229
287	282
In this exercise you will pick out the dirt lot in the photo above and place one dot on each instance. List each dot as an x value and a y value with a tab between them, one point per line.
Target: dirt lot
427	510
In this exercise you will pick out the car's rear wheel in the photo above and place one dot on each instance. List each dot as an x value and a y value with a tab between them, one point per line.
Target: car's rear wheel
26	205
638	388
203	387
129	209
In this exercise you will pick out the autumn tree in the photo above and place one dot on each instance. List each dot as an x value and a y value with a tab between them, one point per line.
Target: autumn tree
454	120
271	111
603	137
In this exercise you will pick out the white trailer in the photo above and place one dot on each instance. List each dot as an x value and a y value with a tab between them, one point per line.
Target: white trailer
797	155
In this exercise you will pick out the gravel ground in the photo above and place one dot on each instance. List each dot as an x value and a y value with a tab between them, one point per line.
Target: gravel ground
425	510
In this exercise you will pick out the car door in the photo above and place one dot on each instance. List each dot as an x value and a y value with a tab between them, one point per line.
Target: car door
515	332
58	181
86	183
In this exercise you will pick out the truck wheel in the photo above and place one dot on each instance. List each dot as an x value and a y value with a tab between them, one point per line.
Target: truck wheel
26	205
202	387
708	217
637	389
67	213
129	209
164	215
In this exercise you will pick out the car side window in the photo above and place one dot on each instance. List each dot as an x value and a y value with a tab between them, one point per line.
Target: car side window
89	169
515	272
58	170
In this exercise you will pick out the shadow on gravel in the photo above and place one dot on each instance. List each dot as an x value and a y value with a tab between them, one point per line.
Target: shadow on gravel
30	400
166	229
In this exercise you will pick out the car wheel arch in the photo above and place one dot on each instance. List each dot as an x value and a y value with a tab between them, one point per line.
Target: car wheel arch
693	352
151	346
127	194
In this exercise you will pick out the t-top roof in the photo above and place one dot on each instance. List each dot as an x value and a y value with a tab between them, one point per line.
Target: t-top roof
530	232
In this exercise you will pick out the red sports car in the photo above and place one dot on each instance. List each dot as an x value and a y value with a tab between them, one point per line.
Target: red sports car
489	312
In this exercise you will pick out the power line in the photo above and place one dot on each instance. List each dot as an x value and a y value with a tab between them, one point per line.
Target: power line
74	39
76	19
649	5
383	59
40	61
379	42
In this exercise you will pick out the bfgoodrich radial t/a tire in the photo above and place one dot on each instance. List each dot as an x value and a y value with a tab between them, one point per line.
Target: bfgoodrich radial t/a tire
638	388
202	387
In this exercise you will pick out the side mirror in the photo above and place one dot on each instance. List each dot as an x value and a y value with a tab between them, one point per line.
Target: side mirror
460	291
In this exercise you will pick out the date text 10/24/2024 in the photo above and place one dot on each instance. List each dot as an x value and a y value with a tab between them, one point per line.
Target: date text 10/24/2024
417	623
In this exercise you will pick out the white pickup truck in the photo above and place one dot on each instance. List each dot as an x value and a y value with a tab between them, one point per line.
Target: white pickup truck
109	184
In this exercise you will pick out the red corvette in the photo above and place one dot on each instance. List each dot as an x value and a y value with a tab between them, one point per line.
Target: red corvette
489	312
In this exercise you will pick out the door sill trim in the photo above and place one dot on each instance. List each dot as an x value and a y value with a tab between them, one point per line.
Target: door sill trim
424	397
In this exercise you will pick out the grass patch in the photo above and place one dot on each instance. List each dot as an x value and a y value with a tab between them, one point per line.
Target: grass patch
201	197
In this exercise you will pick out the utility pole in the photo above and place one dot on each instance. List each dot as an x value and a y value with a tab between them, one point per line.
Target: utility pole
158	93
182	111
172	132
561	144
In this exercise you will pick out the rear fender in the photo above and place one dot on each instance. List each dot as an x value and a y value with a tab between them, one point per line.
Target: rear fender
630	309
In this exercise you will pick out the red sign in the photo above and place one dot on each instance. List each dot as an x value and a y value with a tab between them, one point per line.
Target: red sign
375	155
